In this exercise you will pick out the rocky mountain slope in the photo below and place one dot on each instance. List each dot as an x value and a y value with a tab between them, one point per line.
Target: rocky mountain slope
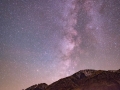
41	86
85	80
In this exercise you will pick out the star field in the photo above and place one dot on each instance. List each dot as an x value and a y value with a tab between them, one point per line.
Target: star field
42	41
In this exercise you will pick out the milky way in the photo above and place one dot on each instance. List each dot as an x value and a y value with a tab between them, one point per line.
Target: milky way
45	40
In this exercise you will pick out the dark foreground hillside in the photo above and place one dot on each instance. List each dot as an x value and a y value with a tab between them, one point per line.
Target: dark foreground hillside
85	80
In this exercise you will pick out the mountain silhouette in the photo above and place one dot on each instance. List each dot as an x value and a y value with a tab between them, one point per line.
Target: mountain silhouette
85	80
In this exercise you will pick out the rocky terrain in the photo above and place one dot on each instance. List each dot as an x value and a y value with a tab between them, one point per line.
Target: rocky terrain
85	80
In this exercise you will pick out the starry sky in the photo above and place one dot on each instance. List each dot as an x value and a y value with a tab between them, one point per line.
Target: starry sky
42	41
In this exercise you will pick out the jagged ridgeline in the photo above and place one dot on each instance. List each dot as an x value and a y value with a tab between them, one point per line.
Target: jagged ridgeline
85	80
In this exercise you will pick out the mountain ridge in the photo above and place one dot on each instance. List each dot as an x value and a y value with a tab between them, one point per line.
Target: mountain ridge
88	79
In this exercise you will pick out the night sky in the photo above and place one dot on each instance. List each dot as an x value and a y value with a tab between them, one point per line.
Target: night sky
42	41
